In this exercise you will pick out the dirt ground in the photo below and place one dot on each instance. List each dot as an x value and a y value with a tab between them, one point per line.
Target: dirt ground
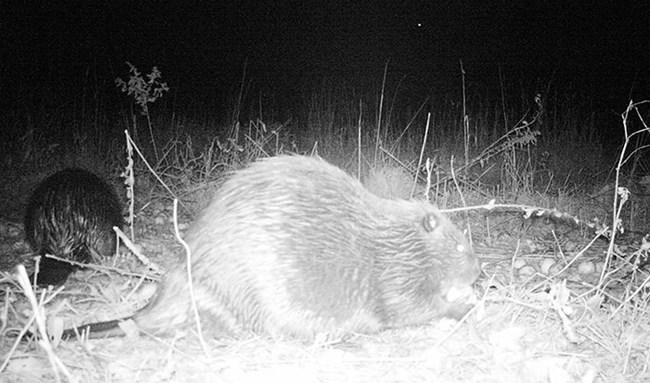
541	318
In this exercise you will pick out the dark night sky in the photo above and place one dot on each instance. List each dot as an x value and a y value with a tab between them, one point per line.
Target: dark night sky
601	46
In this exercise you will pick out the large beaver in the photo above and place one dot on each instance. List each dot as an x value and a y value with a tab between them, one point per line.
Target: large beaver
293	246
71	215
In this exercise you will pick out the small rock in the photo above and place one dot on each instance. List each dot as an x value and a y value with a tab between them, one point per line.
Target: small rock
546	265
519	263
527	271
587	267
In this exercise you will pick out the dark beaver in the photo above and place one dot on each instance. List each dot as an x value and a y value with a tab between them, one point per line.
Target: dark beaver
293	246
71	215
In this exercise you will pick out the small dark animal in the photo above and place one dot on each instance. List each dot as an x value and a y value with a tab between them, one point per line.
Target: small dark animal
293	246
71	215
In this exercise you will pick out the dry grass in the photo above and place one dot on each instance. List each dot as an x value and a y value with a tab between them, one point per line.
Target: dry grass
528	327
555	307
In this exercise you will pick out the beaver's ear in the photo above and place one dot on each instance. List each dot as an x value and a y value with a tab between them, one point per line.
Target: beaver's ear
430	222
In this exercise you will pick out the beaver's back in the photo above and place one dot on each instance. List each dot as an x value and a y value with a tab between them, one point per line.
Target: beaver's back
71	215
294	246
